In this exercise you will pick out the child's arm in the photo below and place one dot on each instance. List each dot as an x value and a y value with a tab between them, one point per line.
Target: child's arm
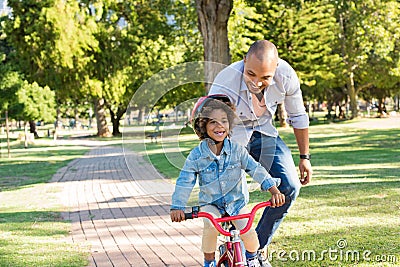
277	198
183	187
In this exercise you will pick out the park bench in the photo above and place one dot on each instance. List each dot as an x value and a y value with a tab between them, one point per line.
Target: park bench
153	135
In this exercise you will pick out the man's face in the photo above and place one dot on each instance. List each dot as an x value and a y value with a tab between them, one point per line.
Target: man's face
258	74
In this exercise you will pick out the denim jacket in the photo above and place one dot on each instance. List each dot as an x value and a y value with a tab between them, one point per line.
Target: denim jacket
221	181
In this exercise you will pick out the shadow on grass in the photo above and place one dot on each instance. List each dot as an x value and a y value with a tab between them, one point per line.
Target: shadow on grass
352	147
358	138
30	223
344	247
166	132
352	196
34	167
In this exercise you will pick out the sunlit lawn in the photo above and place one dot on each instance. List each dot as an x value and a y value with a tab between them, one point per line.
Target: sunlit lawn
349	215
32	233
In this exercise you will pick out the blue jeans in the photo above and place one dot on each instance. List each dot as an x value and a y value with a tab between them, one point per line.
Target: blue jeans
276	157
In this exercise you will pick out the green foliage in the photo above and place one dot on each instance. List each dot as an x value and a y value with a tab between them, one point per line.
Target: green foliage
136	41
304	34
34	103
51	41
368	45
327	41
380	41
24	100
182	17
10	82
86	50
244	28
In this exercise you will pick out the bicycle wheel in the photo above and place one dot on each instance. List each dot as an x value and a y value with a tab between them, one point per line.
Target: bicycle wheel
222	249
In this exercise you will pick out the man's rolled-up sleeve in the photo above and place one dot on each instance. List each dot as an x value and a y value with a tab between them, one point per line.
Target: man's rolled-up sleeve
299	122
297	115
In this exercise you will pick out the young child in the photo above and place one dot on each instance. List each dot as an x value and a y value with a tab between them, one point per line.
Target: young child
217	163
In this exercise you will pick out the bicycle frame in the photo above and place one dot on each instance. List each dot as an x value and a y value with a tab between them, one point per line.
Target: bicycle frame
233	253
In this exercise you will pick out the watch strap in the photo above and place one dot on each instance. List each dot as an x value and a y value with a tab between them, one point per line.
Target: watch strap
305	156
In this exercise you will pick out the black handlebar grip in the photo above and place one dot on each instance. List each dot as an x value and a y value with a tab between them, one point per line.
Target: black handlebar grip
188	216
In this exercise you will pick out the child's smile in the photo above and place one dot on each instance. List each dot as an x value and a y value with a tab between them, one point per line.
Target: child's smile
218	125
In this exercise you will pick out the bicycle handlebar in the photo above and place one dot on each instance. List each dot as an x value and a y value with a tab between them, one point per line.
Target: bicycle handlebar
216	221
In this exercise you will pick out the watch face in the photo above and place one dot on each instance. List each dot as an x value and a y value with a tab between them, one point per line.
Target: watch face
307	156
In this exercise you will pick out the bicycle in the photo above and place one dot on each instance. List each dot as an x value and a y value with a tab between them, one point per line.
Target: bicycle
231	253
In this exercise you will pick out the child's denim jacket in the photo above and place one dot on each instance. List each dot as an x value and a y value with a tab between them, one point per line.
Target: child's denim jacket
222	181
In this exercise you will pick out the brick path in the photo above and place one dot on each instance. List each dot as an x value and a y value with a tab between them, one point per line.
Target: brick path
122	225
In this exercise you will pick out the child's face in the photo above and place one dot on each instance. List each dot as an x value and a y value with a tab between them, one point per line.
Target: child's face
218	125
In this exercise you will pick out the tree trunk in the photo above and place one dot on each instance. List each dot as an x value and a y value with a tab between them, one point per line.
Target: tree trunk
76	117
102	128
115	119
26	134
141	116
282	115
213	16
352	94
8	135
32	129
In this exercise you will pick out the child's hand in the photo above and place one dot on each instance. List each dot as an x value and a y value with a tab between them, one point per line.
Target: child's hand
177	215
277	199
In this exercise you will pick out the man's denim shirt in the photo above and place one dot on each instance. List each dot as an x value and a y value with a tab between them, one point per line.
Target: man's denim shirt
222	181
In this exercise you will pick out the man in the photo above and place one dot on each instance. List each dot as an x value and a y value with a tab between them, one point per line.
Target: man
257	84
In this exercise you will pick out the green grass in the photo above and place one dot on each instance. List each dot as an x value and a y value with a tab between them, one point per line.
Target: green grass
32	232
354	197
33	165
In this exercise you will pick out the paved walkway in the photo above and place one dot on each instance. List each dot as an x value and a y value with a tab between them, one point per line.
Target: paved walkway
122	225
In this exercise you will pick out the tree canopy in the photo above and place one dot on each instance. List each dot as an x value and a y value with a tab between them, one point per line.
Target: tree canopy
100	52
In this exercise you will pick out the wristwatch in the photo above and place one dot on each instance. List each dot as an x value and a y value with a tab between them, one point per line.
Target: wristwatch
305	156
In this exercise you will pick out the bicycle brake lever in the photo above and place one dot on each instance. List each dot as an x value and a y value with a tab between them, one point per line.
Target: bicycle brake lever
195	210
193	214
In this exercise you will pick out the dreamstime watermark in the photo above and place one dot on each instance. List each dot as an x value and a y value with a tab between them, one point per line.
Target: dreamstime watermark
340	252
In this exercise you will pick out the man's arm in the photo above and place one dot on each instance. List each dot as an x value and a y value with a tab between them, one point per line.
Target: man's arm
303	143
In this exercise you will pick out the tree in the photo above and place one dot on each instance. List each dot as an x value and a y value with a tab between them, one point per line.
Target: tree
213	16
243	28
50	41
136	41
33	103
368	33
303	33
188	41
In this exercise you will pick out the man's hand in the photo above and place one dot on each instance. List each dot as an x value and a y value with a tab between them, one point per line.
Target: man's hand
305	171
177	215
